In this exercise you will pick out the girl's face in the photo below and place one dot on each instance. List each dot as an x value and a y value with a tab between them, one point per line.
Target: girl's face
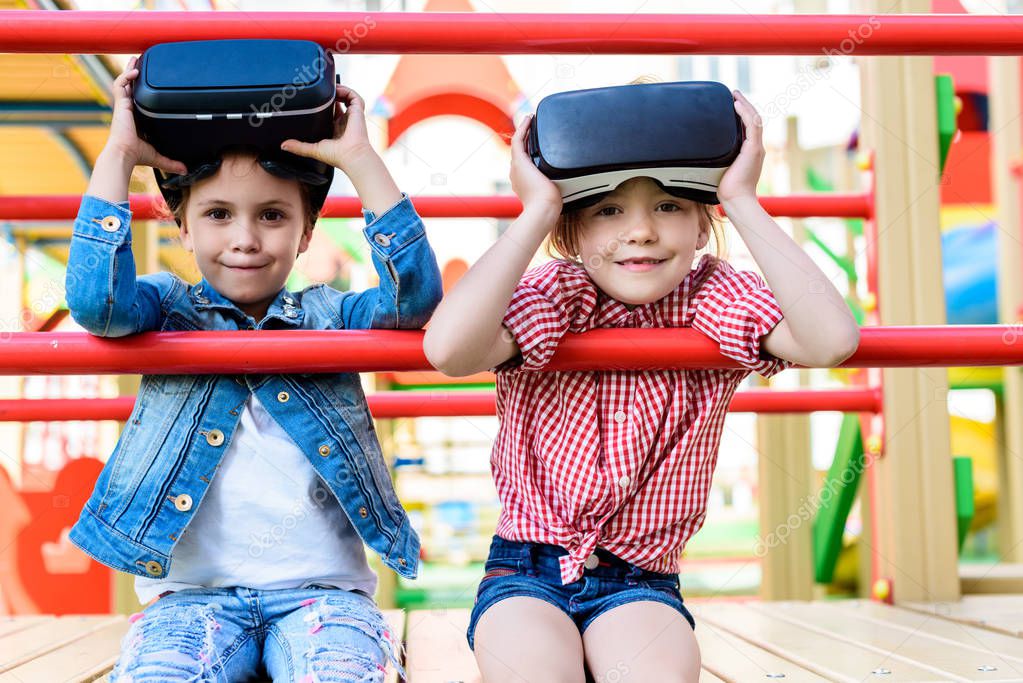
639	242
246	227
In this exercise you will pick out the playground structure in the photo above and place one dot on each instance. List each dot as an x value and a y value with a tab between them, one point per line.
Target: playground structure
912	529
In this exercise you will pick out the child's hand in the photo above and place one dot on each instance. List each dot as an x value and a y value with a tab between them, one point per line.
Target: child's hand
531	186
740	180
350	141
124	140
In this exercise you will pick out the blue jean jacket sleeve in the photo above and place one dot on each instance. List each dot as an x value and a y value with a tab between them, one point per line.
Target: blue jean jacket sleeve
410	282
102	292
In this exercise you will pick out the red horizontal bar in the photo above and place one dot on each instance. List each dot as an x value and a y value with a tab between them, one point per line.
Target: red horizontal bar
99	32
145	207
76	353
397	404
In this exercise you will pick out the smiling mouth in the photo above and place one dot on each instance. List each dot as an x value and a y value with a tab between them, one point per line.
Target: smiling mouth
244	267
640	264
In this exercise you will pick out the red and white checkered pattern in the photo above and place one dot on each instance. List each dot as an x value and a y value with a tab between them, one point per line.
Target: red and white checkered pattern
619	459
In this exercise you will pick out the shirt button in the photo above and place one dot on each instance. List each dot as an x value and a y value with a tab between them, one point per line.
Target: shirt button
324	450
363	512
620	417
215	437
283	397
382	239
154	568
624	481
183	502
111	223
591	562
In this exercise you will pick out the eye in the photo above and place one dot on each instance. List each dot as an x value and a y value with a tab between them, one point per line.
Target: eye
669	207
273	215
607	211
218	214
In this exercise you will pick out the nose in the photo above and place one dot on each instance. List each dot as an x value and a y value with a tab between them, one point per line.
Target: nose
243	237
641	230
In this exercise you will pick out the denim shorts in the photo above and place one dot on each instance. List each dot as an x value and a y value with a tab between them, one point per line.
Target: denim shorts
532	570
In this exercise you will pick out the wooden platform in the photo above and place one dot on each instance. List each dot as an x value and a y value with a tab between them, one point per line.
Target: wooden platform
977	639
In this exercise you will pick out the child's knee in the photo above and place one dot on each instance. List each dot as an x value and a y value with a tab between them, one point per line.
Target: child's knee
342	638
170	642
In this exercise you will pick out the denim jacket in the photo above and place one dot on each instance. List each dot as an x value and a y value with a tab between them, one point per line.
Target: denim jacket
181	425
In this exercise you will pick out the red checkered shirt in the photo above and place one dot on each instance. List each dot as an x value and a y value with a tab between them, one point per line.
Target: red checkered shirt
619	459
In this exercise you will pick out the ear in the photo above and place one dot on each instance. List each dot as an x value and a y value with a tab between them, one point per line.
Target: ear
704	237
186	236
303	242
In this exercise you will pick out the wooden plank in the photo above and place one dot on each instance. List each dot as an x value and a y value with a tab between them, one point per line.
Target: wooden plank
732	659
45	636
708	677
952	658
997	612
84	659
10	625
396	620
436	650
915	541
991	578
819	652
934	623
1006	141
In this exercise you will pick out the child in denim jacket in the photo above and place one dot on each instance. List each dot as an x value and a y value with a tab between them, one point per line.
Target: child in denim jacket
242	503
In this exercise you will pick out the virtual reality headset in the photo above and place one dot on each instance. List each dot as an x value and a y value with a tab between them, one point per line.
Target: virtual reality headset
684	135
192	100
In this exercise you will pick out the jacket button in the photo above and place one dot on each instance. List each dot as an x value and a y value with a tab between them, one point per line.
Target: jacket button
382	239
183	502
324	450
111	223
154	568
402	562
215	437
591	562
283	397
363	512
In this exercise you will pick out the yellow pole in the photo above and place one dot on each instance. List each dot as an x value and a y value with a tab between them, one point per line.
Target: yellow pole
916	539
1006	149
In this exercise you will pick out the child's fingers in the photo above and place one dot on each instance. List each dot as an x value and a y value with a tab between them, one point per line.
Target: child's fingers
350	97
750	119
518	139
304	149
170	165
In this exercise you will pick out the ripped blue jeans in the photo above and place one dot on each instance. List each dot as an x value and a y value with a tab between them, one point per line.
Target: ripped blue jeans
308	635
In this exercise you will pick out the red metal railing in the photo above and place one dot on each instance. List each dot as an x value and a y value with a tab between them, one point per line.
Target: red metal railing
65	207
493	33
62	353
397	404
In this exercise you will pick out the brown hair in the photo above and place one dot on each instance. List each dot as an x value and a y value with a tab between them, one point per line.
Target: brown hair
563	241
177	212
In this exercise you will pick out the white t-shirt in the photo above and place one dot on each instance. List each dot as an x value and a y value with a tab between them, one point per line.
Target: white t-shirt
267	521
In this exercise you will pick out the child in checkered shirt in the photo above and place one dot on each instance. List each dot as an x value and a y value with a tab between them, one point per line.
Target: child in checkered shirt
603	476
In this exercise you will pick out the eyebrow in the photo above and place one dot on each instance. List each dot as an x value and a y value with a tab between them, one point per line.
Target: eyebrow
224	202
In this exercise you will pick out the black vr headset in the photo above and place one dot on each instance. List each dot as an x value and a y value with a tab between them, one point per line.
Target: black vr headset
192	100
684	135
